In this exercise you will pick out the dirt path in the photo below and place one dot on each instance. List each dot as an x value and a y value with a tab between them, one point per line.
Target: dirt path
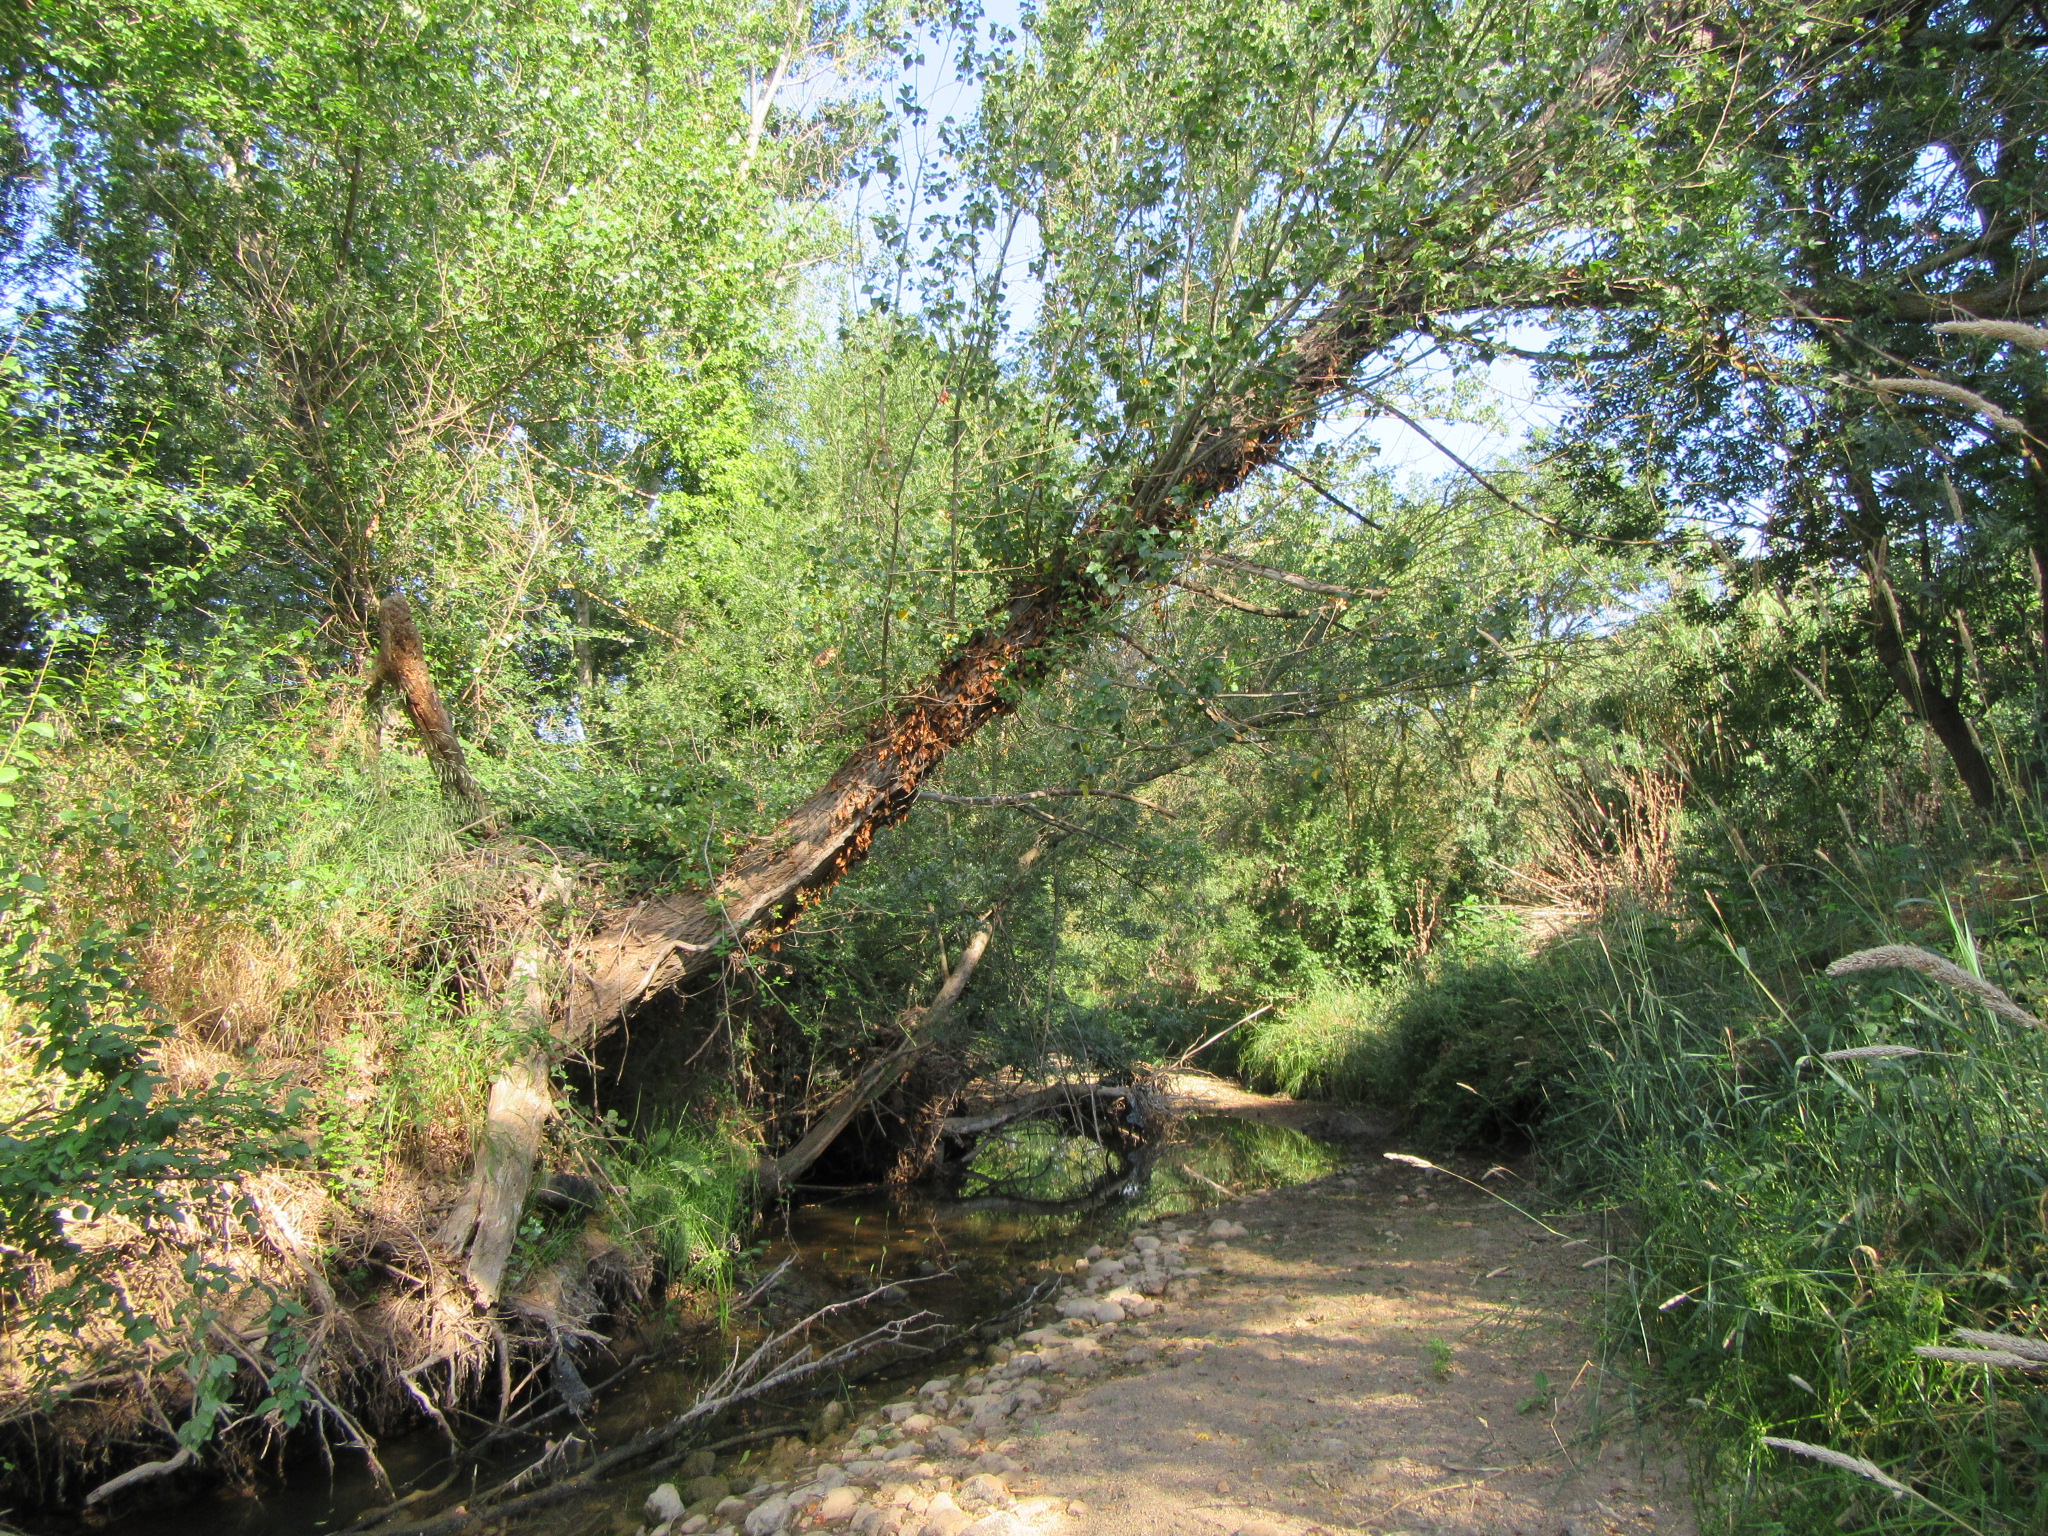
1382	1351
1363	1359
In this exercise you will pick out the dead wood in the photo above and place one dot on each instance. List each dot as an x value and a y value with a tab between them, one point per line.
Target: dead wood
782	1360
135	1477
402	664
1025	797
778	1173
1289	578
1047	1101
1260	609
485	1220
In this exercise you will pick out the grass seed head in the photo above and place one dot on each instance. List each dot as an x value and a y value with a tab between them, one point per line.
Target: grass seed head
1847	1463
1910	957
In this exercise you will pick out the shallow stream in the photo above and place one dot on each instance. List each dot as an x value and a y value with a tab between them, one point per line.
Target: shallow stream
970	1261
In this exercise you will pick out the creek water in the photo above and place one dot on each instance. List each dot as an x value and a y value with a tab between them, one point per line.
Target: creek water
968	1260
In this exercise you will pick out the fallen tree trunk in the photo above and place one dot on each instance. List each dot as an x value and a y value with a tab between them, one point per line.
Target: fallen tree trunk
1125	542
485	1221
1045	1101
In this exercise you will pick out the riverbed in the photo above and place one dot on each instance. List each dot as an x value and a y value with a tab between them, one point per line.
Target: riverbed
971	1262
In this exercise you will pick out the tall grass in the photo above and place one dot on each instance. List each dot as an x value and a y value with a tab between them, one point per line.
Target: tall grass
1799	1224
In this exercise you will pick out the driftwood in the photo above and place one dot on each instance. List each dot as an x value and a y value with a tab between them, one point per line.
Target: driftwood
782	1360
1045	1101
135	1477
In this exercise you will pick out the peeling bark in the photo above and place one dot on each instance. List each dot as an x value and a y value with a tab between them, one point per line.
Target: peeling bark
1124	543
402	663
665	941
1913	669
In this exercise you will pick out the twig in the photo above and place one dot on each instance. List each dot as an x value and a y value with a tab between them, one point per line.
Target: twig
1024	797
1423	1162
767	1369
1192	1051
1227	1193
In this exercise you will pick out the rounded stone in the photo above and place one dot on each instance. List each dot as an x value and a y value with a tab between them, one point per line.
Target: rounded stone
664	1504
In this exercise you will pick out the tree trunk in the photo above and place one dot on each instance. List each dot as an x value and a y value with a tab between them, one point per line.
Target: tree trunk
485	1221
666	940
1912	668
402	663
2034	453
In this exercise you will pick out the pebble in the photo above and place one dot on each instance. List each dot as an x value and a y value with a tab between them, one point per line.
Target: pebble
1223	1227
839	1505
664	1504
984	1488
827	1486
1102	1310
1128	1304
943	1517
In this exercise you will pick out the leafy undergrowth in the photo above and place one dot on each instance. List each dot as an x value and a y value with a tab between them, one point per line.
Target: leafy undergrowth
249	1016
